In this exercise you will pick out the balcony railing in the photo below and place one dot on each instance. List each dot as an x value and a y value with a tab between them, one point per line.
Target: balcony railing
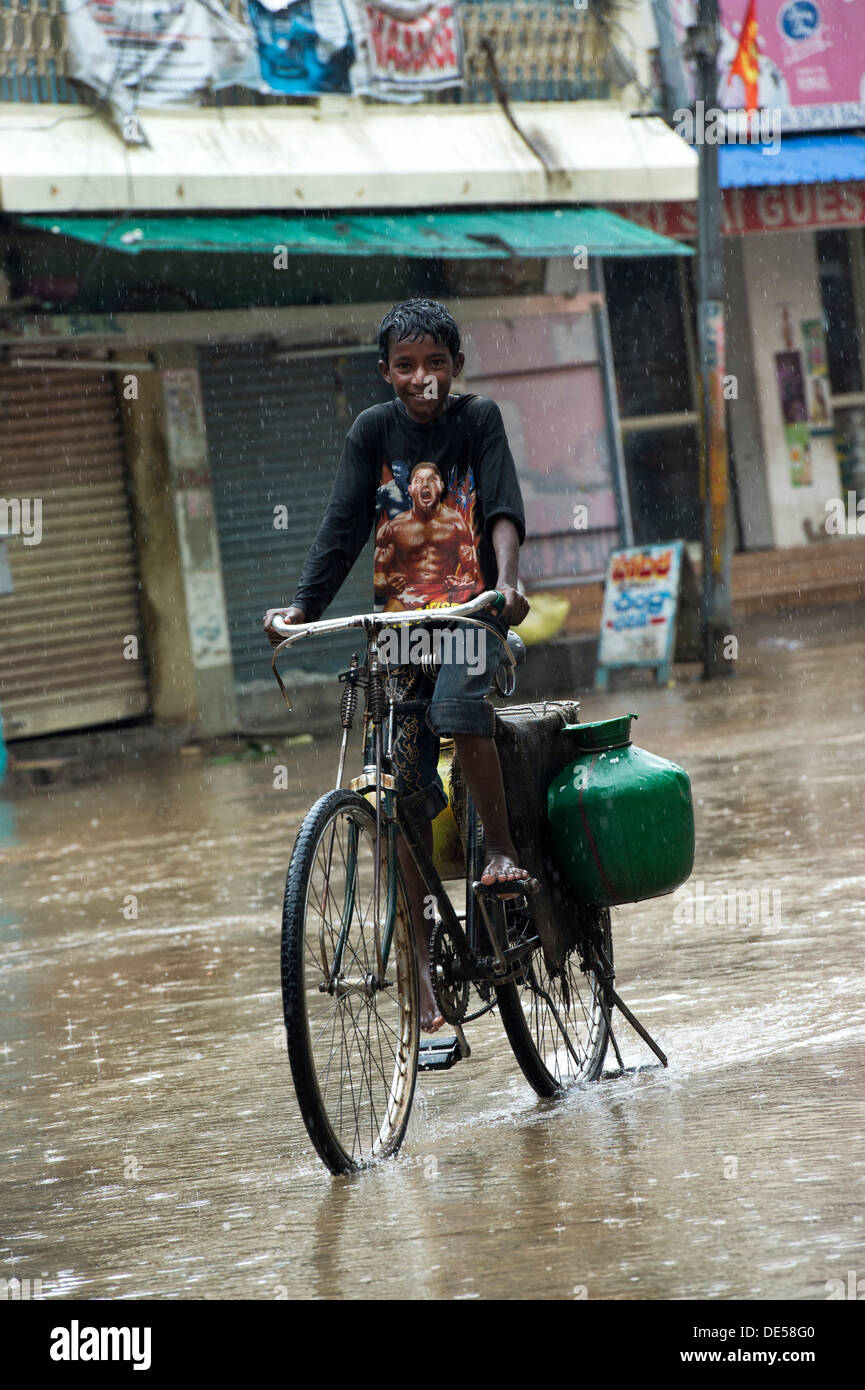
545	50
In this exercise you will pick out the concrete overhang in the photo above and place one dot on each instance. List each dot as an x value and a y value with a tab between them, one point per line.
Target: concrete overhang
341	155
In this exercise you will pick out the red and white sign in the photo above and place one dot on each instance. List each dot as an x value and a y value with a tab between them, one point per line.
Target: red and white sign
406	46
795	207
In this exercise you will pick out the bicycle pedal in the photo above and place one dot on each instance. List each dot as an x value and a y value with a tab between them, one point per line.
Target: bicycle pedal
505	890
439	1054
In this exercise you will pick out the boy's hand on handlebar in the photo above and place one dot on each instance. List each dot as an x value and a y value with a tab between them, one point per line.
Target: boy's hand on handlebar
516	605
291	616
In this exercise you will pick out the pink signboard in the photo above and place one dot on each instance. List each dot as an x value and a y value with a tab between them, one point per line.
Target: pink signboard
811	58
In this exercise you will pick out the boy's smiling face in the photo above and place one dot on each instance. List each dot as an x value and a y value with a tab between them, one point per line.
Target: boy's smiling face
421	372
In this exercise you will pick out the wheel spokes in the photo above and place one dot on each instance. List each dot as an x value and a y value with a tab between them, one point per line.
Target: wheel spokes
564	1017
359	1033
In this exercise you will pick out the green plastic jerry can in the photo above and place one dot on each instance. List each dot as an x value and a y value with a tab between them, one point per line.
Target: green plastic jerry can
622	819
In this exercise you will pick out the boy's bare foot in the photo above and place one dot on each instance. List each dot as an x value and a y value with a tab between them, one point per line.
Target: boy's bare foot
430	1018
502	865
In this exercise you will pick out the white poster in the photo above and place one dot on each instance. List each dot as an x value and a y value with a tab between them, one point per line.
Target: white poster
158	52
207	620
405	47
638	620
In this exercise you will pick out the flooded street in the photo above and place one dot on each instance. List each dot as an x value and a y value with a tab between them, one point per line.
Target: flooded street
151	1142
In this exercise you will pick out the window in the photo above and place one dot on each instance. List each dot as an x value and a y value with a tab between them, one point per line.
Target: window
839	312
648	334
652	332
663	484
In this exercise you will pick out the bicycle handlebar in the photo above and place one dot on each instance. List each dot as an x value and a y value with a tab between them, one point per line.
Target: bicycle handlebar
462	612
296	631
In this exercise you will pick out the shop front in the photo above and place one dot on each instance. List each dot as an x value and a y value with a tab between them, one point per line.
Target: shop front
795	272
233	427
276	414
72	651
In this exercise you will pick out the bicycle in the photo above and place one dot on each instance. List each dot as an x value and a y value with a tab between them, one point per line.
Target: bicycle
348	960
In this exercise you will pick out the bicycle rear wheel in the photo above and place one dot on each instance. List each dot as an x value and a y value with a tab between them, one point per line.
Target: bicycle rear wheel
555	1023
352	1040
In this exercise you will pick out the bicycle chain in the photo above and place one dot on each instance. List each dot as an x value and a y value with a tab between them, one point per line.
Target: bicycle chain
479	1013
452	996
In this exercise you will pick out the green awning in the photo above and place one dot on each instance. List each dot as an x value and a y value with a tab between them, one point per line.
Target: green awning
530	232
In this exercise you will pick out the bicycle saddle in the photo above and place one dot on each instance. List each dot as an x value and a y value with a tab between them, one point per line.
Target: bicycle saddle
517	646
505	677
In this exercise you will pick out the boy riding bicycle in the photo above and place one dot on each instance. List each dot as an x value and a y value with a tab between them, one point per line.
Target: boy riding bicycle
434	475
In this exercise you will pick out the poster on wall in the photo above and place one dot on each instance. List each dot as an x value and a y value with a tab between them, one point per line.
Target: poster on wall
559	435
157	52
304	46
819	390
405	47
142	53
808	58
209	641
790	378
798	441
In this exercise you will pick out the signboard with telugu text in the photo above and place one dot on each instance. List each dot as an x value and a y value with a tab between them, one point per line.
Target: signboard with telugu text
638	619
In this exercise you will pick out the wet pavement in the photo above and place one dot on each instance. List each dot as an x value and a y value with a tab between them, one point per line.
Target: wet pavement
151	1142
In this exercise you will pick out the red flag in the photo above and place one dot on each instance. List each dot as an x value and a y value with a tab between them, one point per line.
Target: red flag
746	61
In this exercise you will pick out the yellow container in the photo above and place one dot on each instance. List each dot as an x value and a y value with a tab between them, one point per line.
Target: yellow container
448	854
544	619
447	847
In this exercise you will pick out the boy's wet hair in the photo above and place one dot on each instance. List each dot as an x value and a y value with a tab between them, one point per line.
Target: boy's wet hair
414	319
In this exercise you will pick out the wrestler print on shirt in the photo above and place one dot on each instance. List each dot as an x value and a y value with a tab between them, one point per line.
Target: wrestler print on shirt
425	542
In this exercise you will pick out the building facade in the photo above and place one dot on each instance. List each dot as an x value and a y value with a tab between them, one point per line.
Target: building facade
186	333
224	325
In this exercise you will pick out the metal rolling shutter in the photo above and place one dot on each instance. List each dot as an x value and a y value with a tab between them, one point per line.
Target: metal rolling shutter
75	597
275	431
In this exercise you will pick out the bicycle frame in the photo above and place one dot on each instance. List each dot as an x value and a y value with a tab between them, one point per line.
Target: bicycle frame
357	966
390	821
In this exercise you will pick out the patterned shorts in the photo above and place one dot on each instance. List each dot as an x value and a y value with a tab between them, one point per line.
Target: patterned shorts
454	703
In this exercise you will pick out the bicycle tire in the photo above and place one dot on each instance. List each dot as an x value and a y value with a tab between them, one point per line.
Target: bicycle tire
354	1087
532	1029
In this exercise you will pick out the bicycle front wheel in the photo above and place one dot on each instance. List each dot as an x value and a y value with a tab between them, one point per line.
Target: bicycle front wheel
555	1023
352	1036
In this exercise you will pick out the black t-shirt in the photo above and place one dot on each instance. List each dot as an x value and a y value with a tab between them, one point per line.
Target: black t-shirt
432	528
